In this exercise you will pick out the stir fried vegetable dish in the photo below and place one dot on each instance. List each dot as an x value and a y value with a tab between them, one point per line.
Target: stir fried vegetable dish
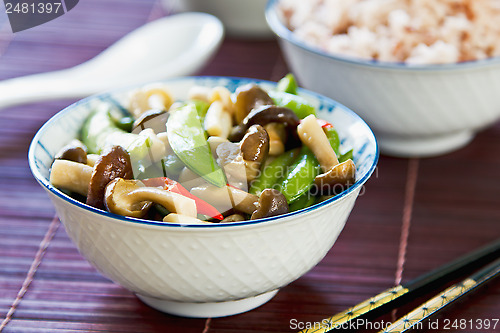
218	156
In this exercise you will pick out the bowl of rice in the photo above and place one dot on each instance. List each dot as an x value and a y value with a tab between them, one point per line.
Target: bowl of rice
424	74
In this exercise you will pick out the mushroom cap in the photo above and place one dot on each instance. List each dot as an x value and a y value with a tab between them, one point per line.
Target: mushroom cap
74	151
272	114
267	114
339	178
254	150
154	119
117	199
242	162
271	203
113	163
233	218
75	154
255	144
249	97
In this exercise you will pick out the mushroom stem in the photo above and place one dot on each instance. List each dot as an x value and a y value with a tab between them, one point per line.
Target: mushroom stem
183	219
92	159
313	136
190	179
174	202
277	135
132	198
199	93
214	142
227	197
243	201
154	97
229	158
71	176
222	95
218	121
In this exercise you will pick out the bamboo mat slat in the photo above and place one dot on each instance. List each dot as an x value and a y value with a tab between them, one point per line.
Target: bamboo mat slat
455	208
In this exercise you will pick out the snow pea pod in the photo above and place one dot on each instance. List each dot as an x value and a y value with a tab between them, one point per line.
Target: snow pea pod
288	84
304	201
121	117
297	104
200	105
300	179
169	166
97	127
201	108
346	156
100	130
125	123
188	141
273	172
333	138
301	175
172	165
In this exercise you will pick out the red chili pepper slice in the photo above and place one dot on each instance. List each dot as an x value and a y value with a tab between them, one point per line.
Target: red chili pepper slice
168	184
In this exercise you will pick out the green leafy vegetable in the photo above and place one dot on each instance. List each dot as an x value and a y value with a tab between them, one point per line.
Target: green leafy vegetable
346	156
288	84
188	141
301	176
273	172
333	138
304	201
97	127
297	104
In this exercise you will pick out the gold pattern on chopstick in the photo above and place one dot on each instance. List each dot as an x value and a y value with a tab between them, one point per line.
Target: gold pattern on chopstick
430	307
344	317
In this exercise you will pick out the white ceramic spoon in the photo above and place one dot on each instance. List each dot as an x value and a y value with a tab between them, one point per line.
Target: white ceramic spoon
172	46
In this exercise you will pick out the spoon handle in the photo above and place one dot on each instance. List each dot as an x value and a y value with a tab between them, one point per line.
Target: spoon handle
42	87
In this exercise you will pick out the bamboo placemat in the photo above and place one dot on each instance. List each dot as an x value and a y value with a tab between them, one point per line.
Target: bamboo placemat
413	215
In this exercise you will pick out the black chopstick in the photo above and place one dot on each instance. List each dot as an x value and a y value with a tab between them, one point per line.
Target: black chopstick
396	296
415	319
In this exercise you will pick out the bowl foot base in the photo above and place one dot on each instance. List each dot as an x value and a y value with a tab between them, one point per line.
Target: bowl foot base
423	146
207	310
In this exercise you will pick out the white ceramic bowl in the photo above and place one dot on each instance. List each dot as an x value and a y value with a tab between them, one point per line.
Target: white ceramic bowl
204	270
414	111
241	18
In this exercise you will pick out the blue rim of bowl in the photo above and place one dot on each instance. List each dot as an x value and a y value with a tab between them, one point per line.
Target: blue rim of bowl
42	180
283	32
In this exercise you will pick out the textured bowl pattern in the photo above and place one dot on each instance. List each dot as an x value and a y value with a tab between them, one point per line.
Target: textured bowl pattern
204	263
